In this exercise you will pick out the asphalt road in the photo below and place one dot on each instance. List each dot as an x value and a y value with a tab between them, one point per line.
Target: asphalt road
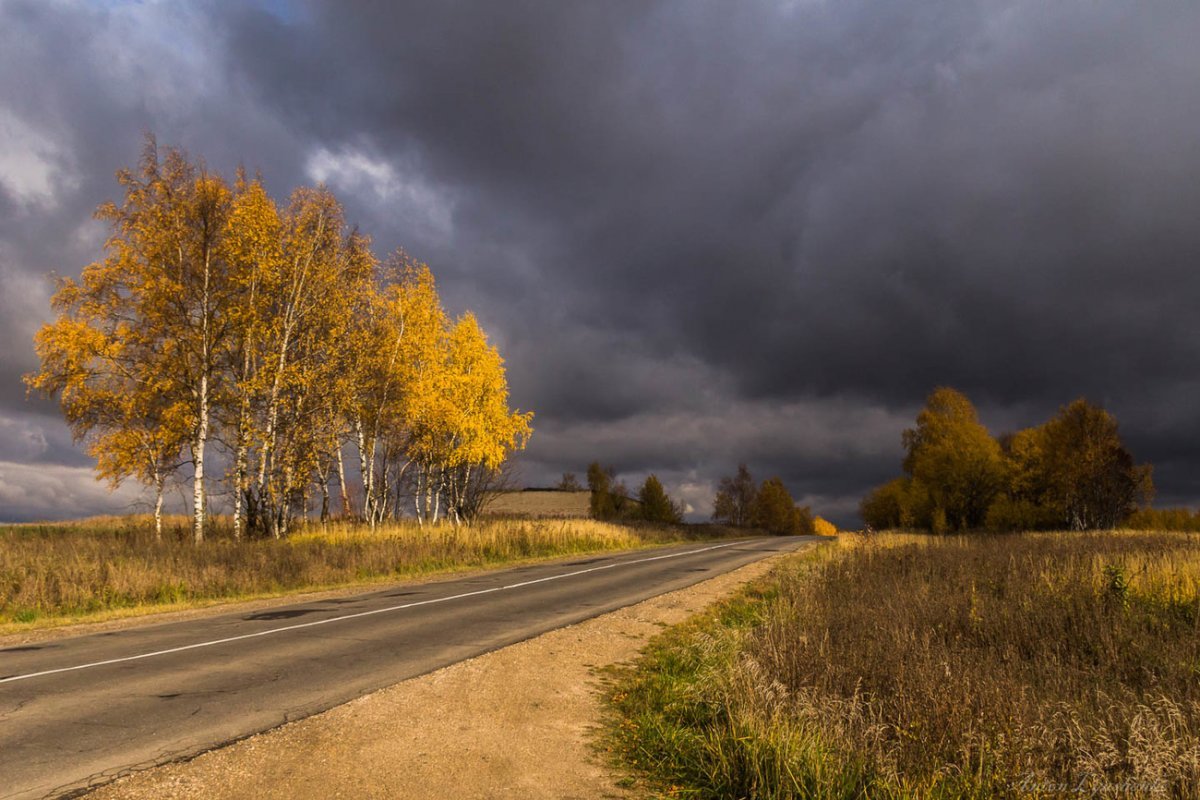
78	712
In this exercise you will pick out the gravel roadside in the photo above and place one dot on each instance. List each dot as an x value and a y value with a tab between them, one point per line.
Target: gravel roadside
514	723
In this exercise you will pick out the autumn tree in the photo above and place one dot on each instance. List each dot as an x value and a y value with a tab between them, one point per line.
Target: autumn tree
803	522
169	232
774	510
600	483
481	430
253	248
955	459
161	296
1071	472
899	503
1090	477
322	268
117	394
431	413
1025	502
425	375
734	500
393	339
654	503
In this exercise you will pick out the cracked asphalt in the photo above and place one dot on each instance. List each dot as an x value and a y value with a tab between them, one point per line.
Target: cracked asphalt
76	713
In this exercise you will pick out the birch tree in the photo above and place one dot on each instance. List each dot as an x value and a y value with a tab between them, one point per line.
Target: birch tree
423	373
323	270
114	390
481	429
254	250
163	289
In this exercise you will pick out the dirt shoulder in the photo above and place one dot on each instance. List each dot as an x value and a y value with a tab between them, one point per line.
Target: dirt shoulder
515	723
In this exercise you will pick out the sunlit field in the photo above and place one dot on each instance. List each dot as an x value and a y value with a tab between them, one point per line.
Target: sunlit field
62	572
897	666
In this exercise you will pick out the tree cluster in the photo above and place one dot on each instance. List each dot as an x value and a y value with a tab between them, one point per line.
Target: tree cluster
1072	472
741	503
611	500
219	318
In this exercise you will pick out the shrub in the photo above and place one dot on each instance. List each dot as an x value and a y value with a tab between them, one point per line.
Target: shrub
823	527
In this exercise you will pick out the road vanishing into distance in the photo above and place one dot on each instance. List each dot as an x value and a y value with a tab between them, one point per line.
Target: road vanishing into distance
78	712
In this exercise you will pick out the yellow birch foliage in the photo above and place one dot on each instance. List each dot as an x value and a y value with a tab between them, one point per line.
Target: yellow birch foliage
483	430
423	365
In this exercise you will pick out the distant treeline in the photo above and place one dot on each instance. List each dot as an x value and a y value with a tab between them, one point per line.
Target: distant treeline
611	500
742	503
221	318
739	502
1073	472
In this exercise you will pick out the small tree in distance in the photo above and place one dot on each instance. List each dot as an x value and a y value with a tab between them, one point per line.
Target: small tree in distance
735	499
803	523
656	506
569	483
1088	478
600	480
775	511
953	456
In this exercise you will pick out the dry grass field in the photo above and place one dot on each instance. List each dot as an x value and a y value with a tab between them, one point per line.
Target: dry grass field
539	503
57	573
1027	665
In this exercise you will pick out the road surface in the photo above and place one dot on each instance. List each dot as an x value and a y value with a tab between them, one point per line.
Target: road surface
77	712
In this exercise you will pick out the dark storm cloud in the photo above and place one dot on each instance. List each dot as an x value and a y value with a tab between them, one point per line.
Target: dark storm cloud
700	232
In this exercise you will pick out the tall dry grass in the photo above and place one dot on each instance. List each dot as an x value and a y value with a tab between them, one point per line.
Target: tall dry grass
53	572
1034	665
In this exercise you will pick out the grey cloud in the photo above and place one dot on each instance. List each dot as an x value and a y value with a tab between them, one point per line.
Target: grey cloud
700	232
58	492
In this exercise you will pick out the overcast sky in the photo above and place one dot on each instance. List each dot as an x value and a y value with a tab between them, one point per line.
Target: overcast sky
700	232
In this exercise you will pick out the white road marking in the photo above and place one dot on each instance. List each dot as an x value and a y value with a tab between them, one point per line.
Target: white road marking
344	617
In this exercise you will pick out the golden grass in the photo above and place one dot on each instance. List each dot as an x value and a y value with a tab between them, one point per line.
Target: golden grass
52	574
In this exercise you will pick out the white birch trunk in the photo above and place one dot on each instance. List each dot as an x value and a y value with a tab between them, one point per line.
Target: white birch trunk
366	467
158	504
341	467
437	497
417	496
239	487
198	460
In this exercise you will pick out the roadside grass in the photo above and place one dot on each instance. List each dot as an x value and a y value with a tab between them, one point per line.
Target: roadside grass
905	666
60	573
